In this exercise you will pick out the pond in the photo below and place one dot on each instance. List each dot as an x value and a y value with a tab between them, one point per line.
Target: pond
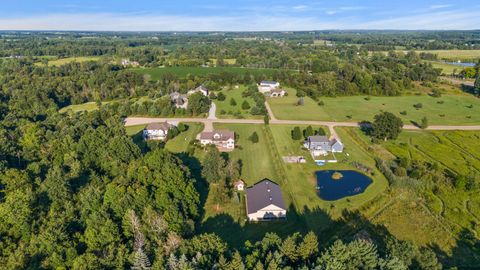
345	184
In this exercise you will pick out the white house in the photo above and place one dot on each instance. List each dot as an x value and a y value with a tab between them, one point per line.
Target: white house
265	202
157	131
321	145
202	89
224	140
266	87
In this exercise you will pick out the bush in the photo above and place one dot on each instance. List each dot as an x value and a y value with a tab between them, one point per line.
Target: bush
233	102
296	133
436	93
254	137
182	127
418	106
321	103
221	96
403	112
245	105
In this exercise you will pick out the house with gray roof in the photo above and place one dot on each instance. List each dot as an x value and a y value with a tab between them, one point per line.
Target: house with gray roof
321	145
266	87
224	140
264	201
157	131
201	89
179	100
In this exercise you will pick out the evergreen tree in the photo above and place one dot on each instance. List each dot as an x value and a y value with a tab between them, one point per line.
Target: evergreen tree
245	105
214	166
233	102
424	123
296	133
266	119
254	137
141	261
309	246
308	132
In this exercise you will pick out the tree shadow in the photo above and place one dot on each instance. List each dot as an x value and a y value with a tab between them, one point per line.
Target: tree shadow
470	90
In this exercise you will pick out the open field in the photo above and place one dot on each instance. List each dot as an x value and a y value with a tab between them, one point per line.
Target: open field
156	73
447	69
455	55
89	106
234	111
455	109
63	61
228	61
459	151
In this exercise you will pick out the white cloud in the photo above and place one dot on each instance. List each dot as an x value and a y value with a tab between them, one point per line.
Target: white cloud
459	19
300	7
440	6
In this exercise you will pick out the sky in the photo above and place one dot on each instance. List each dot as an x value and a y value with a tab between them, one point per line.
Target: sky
242	15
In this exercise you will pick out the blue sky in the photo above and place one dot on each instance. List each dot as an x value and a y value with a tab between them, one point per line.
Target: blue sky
243	15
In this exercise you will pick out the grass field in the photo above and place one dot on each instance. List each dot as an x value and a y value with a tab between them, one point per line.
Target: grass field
156	73
89	106
447	69
234	111
228	61
455	109
63	61
455	55
458	151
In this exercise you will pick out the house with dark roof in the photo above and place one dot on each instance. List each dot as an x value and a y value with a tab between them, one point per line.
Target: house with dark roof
157	131
264	201
224	140
321	145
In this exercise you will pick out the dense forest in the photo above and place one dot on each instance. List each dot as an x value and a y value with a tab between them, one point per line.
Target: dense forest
76	192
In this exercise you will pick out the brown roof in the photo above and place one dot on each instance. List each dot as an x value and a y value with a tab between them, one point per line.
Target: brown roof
262	195
159	126
224	135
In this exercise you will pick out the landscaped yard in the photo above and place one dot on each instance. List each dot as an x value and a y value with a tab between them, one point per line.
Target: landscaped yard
156	73
226	110
180	143
446	110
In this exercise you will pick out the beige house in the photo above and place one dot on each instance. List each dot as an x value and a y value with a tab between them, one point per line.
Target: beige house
224	140
157	131
265	202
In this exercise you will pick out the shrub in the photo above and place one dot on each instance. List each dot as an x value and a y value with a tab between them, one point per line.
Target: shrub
245	105
418	106
321	103
254	137
233	102
403	112
221	96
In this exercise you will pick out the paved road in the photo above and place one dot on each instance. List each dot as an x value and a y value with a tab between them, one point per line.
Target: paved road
133	121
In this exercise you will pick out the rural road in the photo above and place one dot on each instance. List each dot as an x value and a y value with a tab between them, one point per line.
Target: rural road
208	122
133	121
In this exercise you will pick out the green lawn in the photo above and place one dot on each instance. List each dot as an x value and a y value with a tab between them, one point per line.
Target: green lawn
455	55
234	111
156	73
455	109
180	143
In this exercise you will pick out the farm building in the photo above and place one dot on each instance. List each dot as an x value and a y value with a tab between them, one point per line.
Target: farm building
265	202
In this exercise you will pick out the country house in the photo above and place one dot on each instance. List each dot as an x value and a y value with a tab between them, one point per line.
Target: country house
224	140
321	145
265	202
157	131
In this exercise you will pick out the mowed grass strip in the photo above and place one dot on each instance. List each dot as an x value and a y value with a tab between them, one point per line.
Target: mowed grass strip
156	73
255	157
64	61
180	143
446	110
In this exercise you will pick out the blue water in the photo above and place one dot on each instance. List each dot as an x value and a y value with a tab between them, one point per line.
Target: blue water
462	64
351	184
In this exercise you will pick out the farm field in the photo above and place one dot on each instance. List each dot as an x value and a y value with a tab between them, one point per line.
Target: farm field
446	110
156	73
63	61
226	110
455	55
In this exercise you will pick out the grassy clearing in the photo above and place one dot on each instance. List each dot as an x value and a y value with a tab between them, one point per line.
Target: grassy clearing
234	111
156	73
456	150
88	107
447	69
134	130
180	143
455	109
63	61
228	61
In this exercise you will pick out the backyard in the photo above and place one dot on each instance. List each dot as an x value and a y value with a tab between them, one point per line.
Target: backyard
225	109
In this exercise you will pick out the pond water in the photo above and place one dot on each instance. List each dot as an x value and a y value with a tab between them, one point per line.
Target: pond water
352	183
